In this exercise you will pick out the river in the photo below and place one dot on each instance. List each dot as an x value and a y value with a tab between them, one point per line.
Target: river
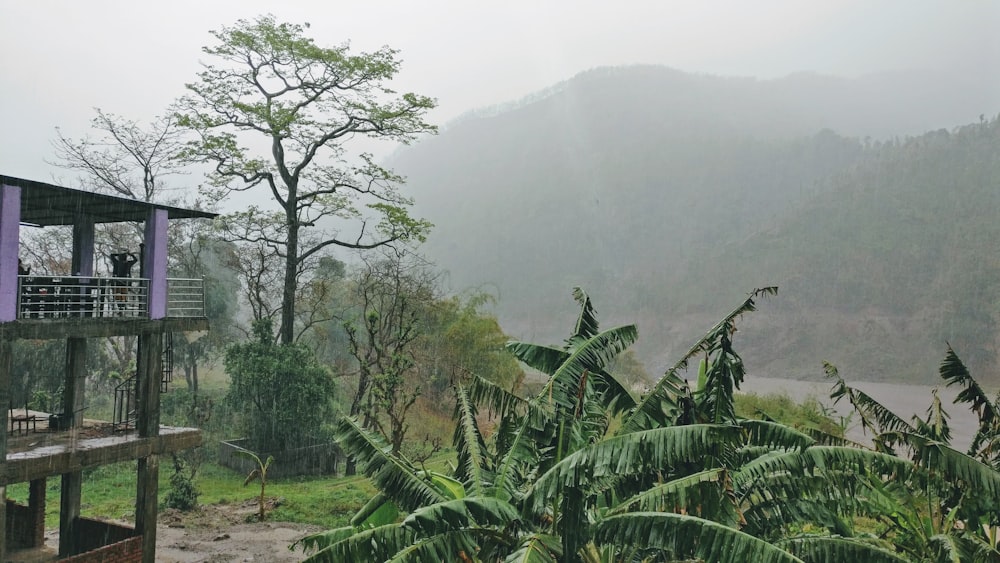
904	400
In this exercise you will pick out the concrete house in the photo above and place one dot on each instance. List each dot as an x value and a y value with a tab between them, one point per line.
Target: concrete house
78	307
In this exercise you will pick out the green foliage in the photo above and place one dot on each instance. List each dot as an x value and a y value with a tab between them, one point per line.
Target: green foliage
269	80
945	508
461	338
259	474
876	242
283	394
201	254
531	490
808	414
34	374
183	494
552	483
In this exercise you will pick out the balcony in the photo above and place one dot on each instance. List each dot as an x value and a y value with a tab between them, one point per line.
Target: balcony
79	297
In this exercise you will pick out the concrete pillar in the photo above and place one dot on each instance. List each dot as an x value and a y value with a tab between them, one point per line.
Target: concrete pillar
10	222
148	424
36	504
148	373
74	380
155	262
69	512
71	486
82	264
83	246
147	484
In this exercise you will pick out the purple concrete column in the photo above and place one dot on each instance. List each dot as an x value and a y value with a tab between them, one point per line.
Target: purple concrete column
10	220
155	262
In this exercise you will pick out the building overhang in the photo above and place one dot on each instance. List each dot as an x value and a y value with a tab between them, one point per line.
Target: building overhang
44	205
79	454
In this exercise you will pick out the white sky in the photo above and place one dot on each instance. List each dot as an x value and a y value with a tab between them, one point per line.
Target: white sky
62	59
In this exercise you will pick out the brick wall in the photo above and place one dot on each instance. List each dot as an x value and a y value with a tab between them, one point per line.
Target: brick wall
126	551
20	530
106	542
92	533
26	524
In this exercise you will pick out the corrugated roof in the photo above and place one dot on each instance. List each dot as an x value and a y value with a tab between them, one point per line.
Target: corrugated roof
46	204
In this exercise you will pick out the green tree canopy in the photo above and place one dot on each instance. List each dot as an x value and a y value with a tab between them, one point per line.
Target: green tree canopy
284	395
269	81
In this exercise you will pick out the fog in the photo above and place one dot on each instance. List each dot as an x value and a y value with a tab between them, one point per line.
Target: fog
61	60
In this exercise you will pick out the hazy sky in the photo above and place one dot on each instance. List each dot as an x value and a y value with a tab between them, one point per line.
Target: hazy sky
62	59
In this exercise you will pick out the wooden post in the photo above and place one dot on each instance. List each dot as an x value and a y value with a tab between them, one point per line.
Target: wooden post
148	424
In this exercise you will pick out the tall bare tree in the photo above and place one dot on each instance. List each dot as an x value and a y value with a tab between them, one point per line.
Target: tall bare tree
124	158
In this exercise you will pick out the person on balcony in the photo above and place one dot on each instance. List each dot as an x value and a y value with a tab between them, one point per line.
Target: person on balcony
121	267
121	264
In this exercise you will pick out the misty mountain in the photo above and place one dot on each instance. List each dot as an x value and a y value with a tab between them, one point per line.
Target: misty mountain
668	196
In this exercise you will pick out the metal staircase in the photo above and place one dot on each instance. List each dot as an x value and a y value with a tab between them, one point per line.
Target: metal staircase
127	392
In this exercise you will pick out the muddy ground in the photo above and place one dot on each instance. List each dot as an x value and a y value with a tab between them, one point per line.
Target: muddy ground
222	534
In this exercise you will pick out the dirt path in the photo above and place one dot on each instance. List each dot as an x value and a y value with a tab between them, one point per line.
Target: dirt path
221	534
261	542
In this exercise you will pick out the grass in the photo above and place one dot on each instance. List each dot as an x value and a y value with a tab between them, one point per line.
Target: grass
327	501
809	413
330	502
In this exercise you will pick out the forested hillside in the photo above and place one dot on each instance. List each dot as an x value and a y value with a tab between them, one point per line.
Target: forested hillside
667	195
895	257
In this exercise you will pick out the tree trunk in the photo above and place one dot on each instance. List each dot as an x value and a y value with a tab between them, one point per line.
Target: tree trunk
287	332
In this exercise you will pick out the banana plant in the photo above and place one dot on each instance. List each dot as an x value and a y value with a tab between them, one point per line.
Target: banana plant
259	474
582	471
945	509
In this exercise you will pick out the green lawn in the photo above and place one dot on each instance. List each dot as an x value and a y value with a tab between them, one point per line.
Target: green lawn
109	492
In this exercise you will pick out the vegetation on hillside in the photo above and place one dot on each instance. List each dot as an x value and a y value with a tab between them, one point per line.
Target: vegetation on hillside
676	190
680	190
680	477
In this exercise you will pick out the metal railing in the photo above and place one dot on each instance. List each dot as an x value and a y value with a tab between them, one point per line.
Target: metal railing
42	297
125	410
185	297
